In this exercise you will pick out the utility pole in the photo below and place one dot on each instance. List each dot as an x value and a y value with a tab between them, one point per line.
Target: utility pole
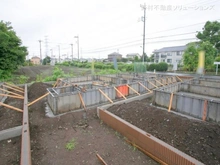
46	46
77	44
59	52
144	20
72	50
40	53
51	50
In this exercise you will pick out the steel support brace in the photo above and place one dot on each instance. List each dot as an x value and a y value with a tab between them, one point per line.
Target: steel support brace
25	141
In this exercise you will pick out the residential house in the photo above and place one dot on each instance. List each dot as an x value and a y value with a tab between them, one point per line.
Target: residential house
171	55
114	55
133	55
35	60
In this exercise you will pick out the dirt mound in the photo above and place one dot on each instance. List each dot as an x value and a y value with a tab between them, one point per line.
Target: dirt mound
37	89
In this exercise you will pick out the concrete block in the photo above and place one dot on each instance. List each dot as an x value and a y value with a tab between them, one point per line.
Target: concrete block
10	133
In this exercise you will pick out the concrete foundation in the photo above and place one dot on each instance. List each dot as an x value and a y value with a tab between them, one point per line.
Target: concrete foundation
10	133
196	100
66	96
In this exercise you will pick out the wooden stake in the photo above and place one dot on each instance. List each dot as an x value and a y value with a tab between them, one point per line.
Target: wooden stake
144	87
179	78
55	83
133	89
147	153
159	82
165	81
38	99
13	96
14	86
11	107
105	95
204	110
171	100
120	93
10	92
174	80
168	80
153	84
82	101
101	160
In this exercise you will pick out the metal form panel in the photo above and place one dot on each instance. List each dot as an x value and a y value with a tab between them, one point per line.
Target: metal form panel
190	105
52	103
213	111
91	97
105	78
149	143
135	86
68	103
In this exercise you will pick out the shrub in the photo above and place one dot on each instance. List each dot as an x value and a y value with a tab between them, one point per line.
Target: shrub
162	66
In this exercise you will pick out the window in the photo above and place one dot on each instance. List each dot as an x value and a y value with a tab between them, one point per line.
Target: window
178	53
169	60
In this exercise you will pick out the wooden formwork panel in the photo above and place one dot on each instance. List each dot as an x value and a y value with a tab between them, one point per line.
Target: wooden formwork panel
149	143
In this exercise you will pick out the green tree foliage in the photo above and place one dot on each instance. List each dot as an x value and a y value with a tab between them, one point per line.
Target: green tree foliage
217	59
190	56
46	60
211	33
136	59
12	54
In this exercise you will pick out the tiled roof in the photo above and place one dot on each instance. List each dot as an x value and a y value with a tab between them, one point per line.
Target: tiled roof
171	49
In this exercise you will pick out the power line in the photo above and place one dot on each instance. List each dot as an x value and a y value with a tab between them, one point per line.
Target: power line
145	38
137	44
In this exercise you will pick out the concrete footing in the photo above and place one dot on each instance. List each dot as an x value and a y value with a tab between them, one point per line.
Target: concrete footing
10	133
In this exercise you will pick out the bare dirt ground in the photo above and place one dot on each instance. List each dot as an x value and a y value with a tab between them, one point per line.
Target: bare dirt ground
196	138
46	70
49	137
10	151
10	118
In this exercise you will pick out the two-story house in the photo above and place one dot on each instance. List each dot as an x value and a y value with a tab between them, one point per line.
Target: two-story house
171	55
114	55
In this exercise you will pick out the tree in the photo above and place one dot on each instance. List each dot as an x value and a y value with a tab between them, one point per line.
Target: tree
151	58
211	33
12	54
46	60
217	59
190	56
136	59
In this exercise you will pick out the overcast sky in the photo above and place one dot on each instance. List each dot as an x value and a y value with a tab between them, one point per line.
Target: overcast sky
106	26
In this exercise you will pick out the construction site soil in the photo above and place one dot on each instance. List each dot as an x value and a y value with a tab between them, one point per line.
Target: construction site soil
196	138
71	139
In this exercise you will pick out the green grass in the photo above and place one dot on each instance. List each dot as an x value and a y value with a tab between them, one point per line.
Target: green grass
71	144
